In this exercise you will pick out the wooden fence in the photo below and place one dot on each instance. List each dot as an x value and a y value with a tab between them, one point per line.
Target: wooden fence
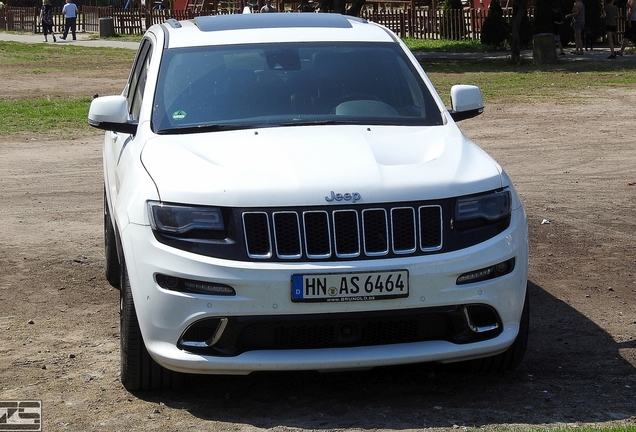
418	23
415	23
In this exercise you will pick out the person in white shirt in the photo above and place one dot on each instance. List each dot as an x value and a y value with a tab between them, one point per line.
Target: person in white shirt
70	13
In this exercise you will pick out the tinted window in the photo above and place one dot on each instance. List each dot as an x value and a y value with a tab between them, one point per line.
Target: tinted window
138	79
294	83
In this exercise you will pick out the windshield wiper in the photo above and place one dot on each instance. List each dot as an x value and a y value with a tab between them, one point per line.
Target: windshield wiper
203	128
271	124
362	121
307	122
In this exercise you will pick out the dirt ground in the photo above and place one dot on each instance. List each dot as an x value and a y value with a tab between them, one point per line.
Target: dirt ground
572	164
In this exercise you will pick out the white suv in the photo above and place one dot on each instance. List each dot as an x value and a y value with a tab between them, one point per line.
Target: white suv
288	192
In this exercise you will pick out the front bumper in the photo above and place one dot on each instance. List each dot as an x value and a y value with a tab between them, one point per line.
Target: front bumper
263	291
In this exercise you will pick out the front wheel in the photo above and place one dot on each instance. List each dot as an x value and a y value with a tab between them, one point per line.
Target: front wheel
138	370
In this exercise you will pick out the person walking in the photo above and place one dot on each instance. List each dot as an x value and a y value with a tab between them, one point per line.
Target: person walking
46	18
630	27
557	21
610	13
578	22
70	13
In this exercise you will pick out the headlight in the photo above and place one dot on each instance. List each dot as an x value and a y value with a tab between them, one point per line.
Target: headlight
179	219
481	210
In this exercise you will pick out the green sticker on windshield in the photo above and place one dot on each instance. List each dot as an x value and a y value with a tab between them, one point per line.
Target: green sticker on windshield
178	115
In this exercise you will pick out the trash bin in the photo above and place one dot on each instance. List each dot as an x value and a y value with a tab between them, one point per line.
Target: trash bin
106	27
544	48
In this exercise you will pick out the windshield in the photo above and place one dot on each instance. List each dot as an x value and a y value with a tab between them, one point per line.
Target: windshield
260	85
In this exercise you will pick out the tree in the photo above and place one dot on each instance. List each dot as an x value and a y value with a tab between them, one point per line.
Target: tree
515	36
495	30
521	34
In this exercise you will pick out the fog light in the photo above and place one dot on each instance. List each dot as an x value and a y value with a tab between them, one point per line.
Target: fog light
172	282
191	286
502	267
209	288
476	275
495	271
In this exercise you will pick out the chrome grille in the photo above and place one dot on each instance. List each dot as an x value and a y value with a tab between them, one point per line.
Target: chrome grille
342	233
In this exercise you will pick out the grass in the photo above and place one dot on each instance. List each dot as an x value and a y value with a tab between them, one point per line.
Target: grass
56	115
504	82
587	429
43	115
62	57
446	45
117	38
500	82
562	83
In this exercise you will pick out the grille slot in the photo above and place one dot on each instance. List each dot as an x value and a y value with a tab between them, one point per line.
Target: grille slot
342	233
403	225
257	236
376	232
430	228
347	233
317	234
287	235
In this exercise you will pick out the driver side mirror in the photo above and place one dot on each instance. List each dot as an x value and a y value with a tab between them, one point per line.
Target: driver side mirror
110	113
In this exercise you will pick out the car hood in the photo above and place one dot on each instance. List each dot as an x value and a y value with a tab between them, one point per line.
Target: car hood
304	165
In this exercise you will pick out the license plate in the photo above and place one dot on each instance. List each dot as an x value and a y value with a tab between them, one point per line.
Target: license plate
349	287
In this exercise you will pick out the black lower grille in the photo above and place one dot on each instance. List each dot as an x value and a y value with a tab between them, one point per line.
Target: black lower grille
343	330
346	333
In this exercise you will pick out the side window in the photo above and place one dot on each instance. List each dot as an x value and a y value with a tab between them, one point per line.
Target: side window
138	79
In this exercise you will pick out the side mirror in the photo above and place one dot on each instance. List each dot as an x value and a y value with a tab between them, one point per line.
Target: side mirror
466	102
110	113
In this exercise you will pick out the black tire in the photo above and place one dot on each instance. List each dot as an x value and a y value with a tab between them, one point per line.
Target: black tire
112	267
138	370
511	358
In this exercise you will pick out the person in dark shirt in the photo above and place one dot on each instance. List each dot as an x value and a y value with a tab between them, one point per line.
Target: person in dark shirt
557	21
46	18
610	13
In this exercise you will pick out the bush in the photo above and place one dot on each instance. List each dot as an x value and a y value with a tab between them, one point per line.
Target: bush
495	30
